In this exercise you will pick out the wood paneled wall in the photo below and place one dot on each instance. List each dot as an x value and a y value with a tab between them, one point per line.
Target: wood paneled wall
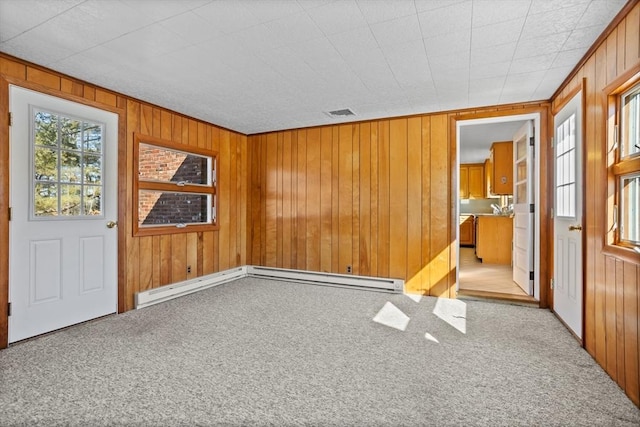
372	196
612	284
144	262
375	196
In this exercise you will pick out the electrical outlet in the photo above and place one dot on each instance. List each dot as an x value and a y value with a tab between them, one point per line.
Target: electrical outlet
348	269
188	269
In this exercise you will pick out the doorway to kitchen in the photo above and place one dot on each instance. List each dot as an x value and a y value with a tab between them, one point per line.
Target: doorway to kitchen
497	177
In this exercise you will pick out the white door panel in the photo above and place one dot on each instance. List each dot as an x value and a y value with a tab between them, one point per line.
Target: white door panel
63	189
567	292
523	196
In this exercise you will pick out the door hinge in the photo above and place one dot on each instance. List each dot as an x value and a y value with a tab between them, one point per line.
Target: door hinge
532	208
10	118
551	284
9	309
531	141
10	213
531	276
552	213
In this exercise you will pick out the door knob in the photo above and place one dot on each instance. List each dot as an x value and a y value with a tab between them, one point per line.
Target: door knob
112	224
575	228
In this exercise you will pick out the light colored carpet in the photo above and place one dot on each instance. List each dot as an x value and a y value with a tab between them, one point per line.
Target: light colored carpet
257	352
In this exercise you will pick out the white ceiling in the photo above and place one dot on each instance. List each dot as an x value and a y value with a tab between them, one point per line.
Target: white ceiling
256	66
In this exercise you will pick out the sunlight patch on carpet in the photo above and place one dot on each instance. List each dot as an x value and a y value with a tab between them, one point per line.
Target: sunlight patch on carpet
452	311
415	297
392	316
430	337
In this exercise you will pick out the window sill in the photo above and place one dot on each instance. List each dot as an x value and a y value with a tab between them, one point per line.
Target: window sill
623	253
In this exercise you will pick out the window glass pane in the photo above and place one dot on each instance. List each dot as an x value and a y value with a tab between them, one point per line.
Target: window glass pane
70	200
92	199
169	208
70	167
46	199
67	155
631	122
45	166
630	209
566	168
166	165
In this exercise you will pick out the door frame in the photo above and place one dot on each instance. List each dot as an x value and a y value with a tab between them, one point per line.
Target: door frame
540	115
5	81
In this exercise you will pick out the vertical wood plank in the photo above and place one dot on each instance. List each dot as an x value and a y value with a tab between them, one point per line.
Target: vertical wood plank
326	184
618	287
364	244
287	201
383	198
425	276
295	200
271	195
589	207
398	202
146	119
165	125
414	205
355	199
178	257
440	243
632	42
145	260
233	199
166	260
156	267
243	200
279	199
132	244
224	200
631	310
156	129
345	198
335	194
191	250
301	214
375	190
610	316
313	202
207	254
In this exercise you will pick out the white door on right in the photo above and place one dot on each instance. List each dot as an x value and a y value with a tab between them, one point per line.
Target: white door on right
523	191
567	290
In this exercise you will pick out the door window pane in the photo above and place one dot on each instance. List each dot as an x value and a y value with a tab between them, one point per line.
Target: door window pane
67	164
566	168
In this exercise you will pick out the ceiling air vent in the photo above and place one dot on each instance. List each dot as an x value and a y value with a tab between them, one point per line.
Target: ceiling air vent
340	113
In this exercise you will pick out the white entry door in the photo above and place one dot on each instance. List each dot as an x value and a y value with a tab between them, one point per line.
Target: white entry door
567	289
523	196
63	247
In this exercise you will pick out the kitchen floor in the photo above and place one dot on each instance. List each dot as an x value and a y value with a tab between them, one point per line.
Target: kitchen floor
477	278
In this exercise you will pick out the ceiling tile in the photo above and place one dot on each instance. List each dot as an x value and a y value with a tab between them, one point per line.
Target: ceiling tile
490	70
600	12
425	5
496	34
547	23
541	6
191	27
397	31
446	19
491	12
294	29
495	54
229	17
447	44
163	9
379	11
337	17
582	38
354	41
532	63
409	64
546	44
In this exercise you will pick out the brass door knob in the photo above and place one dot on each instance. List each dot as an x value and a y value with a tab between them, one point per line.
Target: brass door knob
575	228
112	224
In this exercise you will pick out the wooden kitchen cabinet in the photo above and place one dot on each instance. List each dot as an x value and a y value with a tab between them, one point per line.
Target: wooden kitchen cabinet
472	184
501	161
467	230
494	239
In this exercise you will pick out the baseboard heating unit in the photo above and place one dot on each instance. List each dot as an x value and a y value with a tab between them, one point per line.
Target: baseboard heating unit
167	292
164	293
